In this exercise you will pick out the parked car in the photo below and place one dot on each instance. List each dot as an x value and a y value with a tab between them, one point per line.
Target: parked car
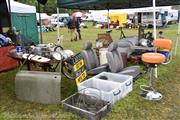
63	19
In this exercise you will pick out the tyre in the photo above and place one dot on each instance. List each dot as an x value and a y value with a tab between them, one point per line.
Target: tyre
67	70
58	48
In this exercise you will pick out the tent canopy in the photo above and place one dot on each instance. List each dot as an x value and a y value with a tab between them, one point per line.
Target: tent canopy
112	4
21	8
132	10
43	16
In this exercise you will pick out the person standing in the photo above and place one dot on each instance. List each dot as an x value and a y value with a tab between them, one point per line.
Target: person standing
161	35
11	34
78	22
18	37
72	27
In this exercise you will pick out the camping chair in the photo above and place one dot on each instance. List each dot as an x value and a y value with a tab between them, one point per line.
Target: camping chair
115	62
91	60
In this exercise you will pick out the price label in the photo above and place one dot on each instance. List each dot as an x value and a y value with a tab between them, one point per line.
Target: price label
79	70
78	65
80	78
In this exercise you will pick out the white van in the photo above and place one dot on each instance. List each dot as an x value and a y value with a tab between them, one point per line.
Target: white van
172	16
163	17
63	19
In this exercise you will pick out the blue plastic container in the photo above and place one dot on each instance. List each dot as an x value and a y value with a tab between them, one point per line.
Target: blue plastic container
165	53
18	49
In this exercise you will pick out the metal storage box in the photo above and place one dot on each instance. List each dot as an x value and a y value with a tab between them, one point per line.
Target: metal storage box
86	106
40	87
109	86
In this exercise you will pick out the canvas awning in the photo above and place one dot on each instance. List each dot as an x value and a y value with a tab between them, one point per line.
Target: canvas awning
18	7
118	4
112	4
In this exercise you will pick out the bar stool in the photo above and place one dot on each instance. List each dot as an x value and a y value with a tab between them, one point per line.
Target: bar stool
152	59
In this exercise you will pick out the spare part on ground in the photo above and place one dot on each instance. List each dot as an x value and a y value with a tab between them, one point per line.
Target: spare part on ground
39	87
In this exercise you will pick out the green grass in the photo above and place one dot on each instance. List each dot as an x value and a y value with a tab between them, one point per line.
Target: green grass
132	107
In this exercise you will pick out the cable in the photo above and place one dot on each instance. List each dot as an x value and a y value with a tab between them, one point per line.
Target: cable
148	92
91	102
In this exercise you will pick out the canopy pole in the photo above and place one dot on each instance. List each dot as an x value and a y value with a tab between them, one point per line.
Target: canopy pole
154	29
9	6
154	18
1	29
177	39
108	20
58	24
41	39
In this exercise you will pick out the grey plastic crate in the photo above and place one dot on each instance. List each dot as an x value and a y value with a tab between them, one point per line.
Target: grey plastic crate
86	106
39	87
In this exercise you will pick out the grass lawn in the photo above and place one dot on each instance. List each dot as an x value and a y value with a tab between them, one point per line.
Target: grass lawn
132	107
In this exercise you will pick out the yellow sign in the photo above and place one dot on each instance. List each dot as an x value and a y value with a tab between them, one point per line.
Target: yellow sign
78	65
81	77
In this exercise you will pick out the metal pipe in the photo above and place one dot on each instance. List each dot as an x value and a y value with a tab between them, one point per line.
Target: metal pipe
41	39
108	19
9	6
154	18
154	26
58	33
177	39
1	29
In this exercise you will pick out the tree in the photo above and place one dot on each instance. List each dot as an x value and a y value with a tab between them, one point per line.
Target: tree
29	2
177	7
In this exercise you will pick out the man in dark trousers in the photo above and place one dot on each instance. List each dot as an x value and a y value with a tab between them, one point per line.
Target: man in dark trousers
72	27
78	22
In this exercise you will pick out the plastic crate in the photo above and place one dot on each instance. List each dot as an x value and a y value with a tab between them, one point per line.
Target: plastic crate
108	86
125	80
105	90
86	106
